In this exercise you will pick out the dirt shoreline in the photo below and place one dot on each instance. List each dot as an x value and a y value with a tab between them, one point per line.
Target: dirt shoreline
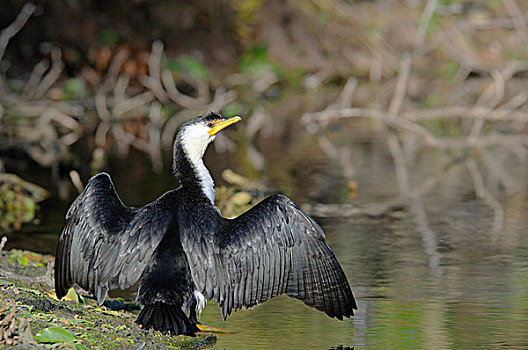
27	307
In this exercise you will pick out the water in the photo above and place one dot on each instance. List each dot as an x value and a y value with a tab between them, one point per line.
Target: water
479	299
438	276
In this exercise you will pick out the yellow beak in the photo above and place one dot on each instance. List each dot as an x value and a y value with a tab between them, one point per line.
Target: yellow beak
224	124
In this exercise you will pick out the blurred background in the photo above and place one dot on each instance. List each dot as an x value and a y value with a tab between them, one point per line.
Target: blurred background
401	126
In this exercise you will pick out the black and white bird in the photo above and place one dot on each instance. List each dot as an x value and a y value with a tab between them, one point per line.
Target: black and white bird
185	252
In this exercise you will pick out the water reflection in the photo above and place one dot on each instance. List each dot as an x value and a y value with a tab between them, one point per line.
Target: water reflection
479	300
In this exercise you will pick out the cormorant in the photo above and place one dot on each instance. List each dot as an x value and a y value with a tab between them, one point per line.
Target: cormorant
185	252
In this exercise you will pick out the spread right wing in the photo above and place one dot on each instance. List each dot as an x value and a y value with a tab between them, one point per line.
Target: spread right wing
271	249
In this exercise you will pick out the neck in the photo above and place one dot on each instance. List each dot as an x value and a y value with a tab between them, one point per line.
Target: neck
191	172
205	179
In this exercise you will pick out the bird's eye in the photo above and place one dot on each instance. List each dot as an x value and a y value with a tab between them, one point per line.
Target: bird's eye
210	125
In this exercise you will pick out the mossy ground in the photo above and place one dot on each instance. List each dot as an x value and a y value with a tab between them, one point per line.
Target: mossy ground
95	327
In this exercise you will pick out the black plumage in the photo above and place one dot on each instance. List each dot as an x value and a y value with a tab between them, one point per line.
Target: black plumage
181	247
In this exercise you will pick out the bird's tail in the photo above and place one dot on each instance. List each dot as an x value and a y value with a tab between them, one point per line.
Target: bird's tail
166	319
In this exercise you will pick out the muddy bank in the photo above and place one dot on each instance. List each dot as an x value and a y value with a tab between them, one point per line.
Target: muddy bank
30	315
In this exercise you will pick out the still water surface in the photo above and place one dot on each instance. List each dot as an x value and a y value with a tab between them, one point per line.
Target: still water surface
479	298
456	285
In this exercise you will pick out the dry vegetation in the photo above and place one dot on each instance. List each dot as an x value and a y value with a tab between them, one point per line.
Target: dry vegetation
448	75
427	76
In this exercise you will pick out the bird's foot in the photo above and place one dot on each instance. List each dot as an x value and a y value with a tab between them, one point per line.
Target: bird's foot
194	320
209	329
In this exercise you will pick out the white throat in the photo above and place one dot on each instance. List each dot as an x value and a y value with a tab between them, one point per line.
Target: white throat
195	142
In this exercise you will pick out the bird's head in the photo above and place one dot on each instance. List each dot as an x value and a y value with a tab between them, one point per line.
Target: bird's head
196	134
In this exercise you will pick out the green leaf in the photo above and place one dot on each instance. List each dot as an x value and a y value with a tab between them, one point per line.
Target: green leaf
191	66
55	335
79	346
231	110
23	260
255	60
241	198
72	295
74	89
109	37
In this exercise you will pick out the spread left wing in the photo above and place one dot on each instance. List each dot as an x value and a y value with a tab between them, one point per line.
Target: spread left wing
105	244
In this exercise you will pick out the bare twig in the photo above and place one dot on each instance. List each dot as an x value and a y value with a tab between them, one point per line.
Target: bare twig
155	137
123	138
100	105
515	102
425	19
54	73
3	242
76	181
53	114
34	109
489	99
101	132
120	88
221	98
401	84
35	77
345	99
498	114
400	123
406	62
113	70
132	103
176	96
69	139
11	30
152	81
155	86
459	50
154	61
518	19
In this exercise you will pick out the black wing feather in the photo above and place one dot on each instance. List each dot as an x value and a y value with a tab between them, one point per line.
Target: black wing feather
273	248
104	244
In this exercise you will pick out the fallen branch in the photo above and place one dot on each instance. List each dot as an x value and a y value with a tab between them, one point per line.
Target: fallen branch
498	114
388	118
